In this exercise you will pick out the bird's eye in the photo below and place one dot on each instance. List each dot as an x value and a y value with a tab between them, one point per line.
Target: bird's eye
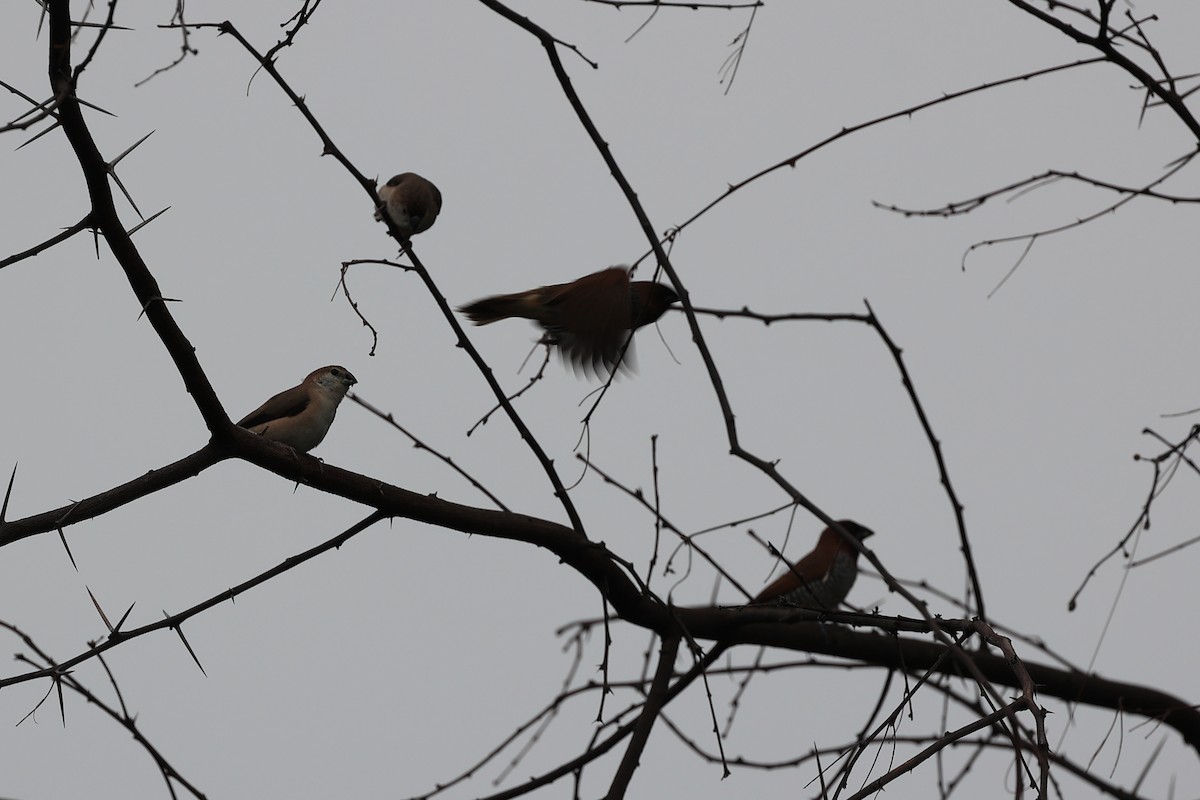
337	373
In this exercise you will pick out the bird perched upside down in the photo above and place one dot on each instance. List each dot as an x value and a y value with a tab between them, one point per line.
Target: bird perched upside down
300	417
411	201
823	578
590	319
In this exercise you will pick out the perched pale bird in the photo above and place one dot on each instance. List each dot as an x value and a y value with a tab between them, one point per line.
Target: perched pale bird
301	416
590	319
411	201
823	578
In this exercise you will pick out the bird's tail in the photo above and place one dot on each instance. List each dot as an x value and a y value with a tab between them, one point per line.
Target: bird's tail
498	307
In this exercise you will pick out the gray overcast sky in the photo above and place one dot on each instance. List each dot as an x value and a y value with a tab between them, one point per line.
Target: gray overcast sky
393	664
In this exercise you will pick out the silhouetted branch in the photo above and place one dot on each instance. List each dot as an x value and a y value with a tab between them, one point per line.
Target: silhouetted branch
83	224
420	445
121	716
174	621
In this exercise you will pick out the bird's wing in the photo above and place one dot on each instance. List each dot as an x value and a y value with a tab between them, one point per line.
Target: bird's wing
592	317
285	404
793	578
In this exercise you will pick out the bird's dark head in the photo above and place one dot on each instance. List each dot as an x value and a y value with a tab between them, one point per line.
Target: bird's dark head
859	532
650	301
667	295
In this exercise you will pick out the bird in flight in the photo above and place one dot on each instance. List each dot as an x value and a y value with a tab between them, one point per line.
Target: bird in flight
590	319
